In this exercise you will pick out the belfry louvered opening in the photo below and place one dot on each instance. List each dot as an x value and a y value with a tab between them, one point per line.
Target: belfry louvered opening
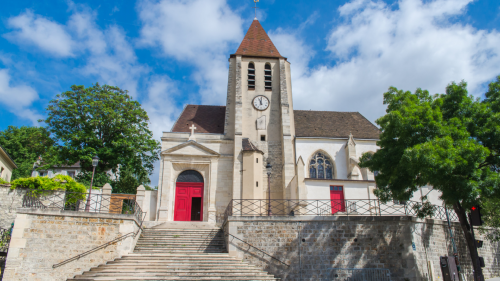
251	76
268	77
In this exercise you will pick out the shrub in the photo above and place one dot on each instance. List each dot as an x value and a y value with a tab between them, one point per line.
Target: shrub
2	181
45	183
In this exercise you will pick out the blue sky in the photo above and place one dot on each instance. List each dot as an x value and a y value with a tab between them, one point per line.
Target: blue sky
168	53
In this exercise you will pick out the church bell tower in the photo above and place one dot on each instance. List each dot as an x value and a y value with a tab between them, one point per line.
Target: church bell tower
259	117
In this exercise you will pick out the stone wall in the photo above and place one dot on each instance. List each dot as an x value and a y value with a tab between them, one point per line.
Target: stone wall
313	246
10	200
43	238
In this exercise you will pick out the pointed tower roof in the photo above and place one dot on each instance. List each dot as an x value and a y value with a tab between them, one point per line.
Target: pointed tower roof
257	44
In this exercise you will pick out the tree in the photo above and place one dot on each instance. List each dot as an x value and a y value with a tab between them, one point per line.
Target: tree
450	141
25	145
103	121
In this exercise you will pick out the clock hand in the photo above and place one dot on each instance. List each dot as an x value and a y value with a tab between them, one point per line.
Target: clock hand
260	101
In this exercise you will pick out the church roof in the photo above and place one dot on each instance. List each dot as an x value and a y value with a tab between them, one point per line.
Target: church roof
333	124
247	145
327	124
206	119
257	43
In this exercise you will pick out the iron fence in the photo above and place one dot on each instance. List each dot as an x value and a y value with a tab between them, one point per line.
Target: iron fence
84	202
356	207
360	274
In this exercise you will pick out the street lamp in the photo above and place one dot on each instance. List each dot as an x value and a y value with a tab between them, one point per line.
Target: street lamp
95	161
269	169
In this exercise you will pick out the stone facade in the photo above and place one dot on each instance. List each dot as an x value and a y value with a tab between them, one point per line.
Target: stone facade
313	246
7	165
10	200
43	238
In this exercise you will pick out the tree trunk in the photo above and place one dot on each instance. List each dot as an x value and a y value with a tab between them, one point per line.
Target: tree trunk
462	217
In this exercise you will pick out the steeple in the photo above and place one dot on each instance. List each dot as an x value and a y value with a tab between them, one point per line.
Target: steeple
257	44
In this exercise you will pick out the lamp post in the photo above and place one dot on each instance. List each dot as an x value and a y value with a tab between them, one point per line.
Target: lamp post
95	161
269	169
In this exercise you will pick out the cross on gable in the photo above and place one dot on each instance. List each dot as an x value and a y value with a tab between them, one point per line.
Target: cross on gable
192	129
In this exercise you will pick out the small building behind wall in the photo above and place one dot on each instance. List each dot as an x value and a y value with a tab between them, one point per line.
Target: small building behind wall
7	165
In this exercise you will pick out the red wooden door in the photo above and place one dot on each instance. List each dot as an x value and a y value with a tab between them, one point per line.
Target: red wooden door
337	199
187	193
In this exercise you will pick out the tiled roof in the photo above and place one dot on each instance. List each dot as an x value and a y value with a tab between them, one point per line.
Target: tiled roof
247	145
206	119
333	124
257	44
328	124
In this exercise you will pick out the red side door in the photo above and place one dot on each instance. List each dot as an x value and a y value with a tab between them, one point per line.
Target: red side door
182	210
337	199
184	195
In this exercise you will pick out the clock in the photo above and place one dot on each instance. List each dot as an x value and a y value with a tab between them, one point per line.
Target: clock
260	103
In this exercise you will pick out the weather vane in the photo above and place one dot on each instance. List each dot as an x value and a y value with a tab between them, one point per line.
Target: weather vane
255	1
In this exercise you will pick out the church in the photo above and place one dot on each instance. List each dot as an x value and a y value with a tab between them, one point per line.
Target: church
258	146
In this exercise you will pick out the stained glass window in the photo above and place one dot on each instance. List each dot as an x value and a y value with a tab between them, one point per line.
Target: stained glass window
321	167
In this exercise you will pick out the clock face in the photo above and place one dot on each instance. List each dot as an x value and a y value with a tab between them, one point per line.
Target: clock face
260	102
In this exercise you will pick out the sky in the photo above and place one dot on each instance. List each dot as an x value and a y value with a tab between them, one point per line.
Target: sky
168	53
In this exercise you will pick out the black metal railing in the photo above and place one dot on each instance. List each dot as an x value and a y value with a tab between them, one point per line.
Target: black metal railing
84	202
356	207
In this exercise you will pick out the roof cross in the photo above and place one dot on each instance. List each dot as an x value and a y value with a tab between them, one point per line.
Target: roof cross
255	1
192	129
191	137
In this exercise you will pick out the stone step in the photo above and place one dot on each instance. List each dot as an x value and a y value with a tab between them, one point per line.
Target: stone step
179	273
189	278
167	255
182	230
186	225
161	244
181	234
178	250
174	263
193	270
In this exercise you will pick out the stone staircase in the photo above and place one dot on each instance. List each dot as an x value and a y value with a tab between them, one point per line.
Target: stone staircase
177	251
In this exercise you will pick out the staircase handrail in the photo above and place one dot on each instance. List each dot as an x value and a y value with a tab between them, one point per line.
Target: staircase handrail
133	234
260	250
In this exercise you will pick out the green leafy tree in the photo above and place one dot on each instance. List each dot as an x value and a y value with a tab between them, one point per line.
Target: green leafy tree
103	121
25	145
450	141
100	178
127	182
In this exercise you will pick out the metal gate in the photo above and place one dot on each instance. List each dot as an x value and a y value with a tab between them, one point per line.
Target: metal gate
360	274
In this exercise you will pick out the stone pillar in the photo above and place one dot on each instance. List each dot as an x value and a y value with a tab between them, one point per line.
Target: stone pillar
106	198
301	184
140	196
212	210
164	200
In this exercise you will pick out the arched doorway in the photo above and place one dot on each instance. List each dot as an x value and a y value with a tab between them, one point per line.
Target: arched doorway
189	196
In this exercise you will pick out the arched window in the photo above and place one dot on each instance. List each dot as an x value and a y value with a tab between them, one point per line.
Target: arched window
190	176
268	77
251	76
321	167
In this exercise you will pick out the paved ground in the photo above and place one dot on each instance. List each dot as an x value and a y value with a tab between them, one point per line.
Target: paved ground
494	279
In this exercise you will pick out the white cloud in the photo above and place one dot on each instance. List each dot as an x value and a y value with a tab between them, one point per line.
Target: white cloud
17	98
162	111
196	32
377	46
42	32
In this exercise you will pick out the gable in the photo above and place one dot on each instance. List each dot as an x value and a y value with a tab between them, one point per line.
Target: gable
191	148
